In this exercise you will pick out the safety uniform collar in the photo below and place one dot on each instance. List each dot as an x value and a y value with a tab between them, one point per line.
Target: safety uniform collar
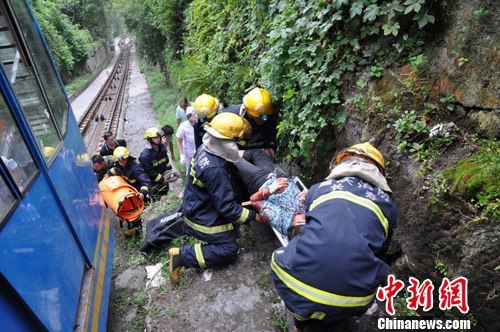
130	160
358	167
226	149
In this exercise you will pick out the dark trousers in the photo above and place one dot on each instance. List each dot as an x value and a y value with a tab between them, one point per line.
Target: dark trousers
210	254
261	160
253	177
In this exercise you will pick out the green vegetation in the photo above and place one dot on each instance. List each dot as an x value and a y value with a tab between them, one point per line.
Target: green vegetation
140	301
73	30
265	281
400	306
279	321
440	266
303	52
476	178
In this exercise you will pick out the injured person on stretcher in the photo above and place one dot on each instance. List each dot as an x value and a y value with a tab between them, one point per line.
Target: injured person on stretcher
278	200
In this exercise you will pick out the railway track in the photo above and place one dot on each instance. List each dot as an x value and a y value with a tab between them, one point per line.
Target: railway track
105	110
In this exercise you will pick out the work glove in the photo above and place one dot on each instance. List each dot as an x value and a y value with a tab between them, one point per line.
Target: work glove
172	175
182	159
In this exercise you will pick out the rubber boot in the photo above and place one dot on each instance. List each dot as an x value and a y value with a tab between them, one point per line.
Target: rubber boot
174	265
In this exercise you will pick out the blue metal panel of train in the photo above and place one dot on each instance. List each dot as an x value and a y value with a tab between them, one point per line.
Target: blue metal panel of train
56	243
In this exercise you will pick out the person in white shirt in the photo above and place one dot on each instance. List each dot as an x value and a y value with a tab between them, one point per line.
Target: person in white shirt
185	140
182	111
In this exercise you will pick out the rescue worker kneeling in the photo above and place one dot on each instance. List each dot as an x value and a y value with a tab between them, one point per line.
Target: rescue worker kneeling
332	269
155	161
211	213
127	167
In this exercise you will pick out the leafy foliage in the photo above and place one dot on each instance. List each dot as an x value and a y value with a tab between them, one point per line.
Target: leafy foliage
73	29
304	52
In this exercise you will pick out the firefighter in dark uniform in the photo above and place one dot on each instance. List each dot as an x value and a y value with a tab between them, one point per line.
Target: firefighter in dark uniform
155	160
127	167
211	212
332	270
205	108
257	108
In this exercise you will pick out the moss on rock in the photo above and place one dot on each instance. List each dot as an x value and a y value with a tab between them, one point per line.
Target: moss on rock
477	178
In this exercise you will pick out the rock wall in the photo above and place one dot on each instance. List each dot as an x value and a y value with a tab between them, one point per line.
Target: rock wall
442	231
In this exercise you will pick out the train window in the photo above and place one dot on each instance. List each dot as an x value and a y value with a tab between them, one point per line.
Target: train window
7	199
23	81
13	150
45	70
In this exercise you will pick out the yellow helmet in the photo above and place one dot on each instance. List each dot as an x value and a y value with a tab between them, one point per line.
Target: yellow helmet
205	106
228	126
363	149
153	132
120	153
258	103
48	151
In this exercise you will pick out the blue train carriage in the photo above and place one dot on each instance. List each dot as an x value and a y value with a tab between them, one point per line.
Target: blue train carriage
56	244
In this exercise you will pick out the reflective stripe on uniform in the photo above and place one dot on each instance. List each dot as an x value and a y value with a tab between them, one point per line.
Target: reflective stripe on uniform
113	171
209	230
243	216
158	177
317	295
348	196
199	256
316	315
299	317
156	163
196	181
145	188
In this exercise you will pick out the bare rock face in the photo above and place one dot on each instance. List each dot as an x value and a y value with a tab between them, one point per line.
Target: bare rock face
468	58
448	239
487	123
131	279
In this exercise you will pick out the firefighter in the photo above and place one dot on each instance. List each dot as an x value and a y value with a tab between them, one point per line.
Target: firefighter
127	167
205	108
332	269
211	212
257	108
155	160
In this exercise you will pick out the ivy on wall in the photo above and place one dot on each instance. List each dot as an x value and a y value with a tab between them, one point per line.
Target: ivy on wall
303	52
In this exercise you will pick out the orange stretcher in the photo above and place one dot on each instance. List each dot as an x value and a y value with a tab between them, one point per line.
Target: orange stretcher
122	198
